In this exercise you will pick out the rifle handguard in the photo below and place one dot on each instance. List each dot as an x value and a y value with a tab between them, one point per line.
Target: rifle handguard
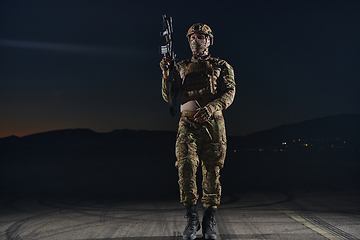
168	50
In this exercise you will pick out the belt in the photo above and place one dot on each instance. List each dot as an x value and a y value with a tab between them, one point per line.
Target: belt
192	113
188	113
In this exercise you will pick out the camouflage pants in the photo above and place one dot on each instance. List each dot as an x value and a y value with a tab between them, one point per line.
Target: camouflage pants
206	143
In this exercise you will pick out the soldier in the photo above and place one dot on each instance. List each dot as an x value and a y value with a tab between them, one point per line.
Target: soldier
207	87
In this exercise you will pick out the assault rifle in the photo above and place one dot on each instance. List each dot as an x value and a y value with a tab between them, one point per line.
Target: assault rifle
168	49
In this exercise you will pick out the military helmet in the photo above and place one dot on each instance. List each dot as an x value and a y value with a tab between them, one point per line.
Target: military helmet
202	29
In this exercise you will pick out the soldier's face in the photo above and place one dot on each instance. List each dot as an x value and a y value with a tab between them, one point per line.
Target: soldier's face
199	43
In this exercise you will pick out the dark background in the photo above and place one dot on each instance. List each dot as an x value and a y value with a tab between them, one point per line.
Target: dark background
94	64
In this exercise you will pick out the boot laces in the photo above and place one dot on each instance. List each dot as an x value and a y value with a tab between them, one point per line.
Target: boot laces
192	221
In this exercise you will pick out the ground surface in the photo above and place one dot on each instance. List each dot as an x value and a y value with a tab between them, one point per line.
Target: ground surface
322	214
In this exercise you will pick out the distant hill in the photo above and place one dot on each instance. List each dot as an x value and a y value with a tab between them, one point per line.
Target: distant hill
85	138
346	126
335	126
339	126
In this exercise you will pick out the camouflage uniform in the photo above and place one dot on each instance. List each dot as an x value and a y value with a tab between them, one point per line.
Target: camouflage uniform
209	82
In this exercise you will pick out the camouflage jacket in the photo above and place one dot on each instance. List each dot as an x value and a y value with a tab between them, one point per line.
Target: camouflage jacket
210	81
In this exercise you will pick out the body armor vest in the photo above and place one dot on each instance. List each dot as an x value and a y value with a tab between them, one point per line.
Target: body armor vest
199	79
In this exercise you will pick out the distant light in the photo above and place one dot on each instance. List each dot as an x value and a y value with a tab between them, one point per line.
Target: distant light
284	143
235	150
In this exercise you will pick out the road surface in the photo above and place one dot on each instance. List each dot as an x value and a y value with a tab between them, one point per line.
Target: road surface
321	214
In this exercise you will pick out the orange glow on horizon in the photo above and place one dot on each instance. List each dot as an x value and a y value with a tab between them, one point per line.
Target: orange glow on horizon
21	131
18	133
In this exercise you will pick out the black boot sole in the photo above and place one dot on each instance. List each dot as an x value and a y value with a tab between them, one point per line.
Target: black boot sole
210	237
193	236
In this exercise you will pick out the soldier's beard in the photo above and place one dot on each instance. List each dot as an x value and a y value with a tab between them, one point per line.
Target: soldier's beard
199	47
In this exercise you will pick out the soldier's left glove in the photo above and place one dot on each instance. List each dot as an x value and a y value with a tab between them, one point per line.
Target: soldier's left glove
204	114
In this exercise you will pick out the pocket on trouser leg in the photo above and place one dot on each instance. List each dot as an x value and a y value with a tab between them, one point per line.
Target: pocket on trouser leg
211	185
187	181
213	159
214	153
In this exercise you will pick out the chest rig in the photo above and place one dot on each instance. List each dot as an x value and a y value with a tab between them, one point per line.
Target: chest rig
199	78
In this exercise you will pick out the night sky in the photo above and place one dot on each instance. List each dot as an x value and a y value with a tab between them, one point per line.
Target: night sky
95	64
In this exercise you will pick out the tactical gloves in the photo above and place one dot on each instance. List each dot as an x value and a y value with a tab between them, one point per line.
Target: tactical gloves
204	114
164	65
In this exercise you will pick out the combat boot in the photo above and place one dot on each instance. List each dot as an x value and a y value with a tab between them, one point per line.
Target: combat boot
208	223
193	223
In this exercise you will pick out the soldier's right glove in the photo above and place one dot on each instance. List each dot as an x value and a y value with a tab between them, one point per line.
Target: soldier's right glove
164	65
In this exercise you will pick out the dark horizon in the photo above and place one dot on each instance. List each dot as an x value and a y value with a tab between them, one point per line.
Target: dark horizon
229	134
340	133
